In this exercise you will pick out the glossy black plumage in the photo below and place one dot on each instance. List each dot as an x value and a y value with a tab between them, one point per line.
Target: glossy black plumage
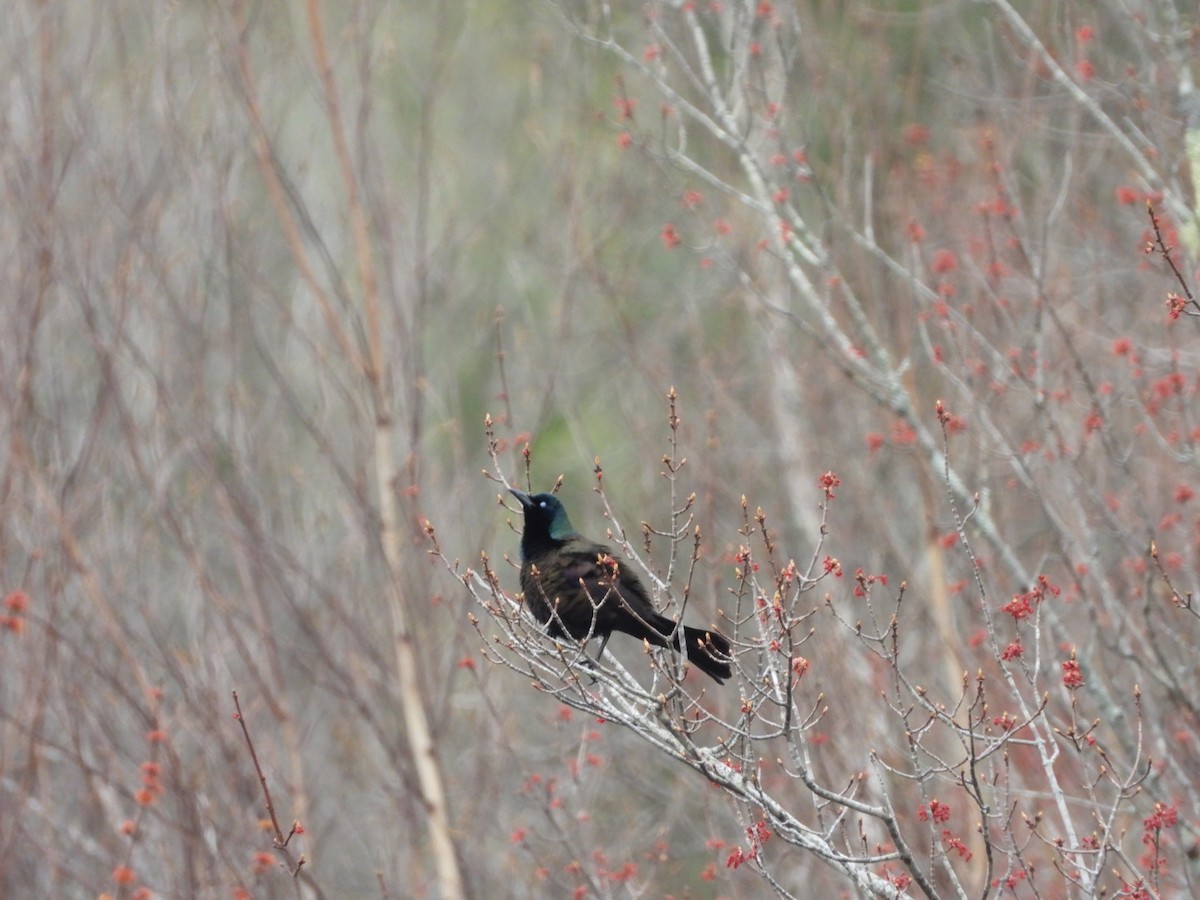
582	589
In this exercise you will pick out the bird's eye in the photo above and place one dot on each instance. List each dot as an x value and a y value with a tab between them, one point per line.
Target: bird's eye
542	504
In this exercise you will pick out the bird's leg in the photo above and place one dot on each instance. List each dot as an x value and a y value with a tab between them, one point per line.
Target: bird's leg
603	644
594	665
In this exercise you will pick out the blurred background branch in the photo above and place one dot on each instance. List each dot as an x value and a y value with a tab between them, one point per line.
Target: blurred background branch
265	272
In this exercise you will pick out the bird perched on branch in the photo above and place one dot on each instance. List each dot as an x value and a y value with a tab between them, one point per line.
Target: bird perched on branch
582	589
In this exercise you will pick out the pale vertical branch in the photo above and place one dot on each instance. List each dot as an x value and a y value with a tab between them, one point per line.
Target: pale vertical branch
417	729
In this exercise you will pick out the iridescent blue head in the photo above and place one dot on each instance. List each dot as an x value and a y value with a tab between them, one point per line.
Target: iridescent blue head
546	523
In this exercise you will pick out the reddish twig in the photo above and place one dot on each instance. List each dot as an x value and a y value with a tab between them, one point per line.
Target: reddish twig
1159	245
280	841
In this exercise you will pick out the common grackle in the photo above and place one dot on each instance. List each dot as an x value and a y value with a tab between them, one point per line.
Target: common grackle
582	589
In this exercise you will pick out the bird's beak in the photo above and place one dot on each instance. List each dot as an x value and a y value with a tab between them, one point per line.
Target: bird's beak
526	500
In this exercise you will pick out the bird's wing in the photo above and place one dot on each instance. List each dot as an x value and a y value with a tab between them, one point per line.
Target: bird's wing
602	573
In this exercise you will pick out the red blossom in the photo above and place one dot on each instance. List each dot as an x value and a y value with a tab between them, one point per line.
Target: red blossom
944	261
1127	195
1169	385
903	434
865	581
1004	721
262	862
758	833
901	880
1184	493
828	482
1122	346
625	873
624	140
1136	891
625	107
915	232
1163	817
610	563
1175	306
16	602
692	198
1019	607
937	811
955	843
1012	651
1012	880
670	237
831	565
123	875
1072	675
1045	586
1085	70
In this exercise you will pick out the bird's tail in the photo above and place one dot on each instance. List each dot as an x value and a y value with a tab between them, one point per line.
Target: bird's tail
707	649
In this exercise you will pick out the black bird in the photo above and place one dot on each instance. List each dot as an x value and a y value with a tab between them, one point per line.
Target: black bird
582	589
